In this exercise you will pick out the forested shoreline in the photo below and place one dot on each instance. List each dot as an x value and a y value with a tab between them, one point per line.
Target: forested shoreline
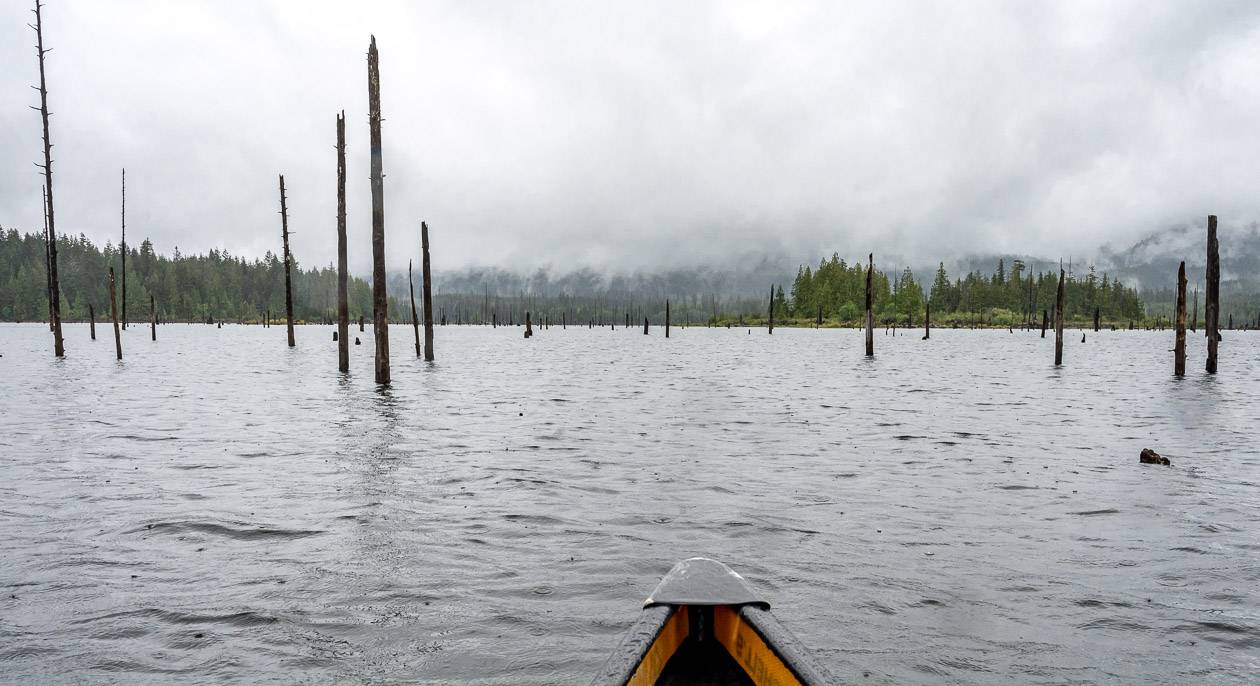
221	286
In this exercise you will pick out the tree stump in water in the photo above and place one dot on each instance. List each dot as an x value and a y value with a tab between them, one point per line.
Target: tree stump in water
1149	456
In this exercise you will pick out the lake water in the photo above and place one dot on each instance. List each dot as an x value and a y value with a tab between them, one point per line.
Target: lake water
221	508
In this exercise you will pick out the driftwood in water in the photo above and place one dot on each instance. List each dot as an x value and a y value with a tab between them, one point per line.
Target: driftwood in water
1179	350
59	346
1058	320
380	303
113	315
529	325
152	319
415	321
1212	306
288	279
667	317
870	313
426	277
343	273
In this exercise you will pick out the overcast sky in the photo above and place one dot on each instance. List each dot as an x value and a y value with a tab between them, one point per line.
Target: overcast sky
640	134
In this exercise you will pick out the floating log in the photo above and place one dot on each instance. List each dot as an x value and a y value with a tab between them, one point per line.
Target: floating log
288	278
380	302
152	319
1058	320
667	316
1212	307
113	315
59	345
870	313
1179	351
415	321
342	334
529	326
426	276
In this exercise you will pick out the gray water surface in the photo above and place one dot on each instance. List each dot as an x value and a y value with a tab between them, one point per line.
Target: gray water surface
220	508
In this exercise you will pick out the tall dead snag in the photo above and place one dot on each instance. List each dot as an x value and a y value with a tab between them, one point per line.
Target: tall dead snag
1096	318
1194	321
529	325
927	320
92	320
1045	322
819	322
415	321
113	315
1179	357
1058	320
47	264
343	272
152	319
870	313
124	249
59	346
1212	306
426	276
770	325
667	316
380	303
645	326
288	282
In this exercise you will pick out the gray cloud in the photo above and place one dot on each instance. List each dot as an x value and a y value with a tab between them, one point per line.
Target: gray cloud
642	134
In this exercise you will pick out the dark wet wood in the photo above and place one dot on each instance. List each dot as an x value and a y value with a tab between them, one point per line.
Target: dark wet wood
1058	320
870	313
113	315
426	277
92	321
380	302
415	321
59	345
667	316
1212	306
343	272
152	319
288	277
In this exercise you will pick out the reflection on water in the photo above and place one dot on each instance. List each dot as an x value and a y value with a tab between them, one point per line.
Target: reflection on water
219	507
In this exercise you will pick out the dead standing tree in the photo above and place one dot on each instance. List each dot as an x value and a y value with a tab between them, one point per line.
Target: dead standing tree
380	303
1212	308
770	321
59	346
123	249
667	316
870	313
47	263
288	281
1058	320
415	321
343	273
426	277
92	320
152	319
113	315
1179	350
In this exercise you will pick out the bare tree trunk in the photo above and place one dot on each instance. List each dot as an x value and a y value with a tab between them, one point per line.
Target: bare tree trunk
427	277
152	319
667	316
343	272
1194	321
1179	357
529	325
380	302
113	315
927	320
1212	308
1058	321
1096	318
47	263
645	326
770	327
59	346
124	249
1045	322
415	321
92	320
288	280
870	313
